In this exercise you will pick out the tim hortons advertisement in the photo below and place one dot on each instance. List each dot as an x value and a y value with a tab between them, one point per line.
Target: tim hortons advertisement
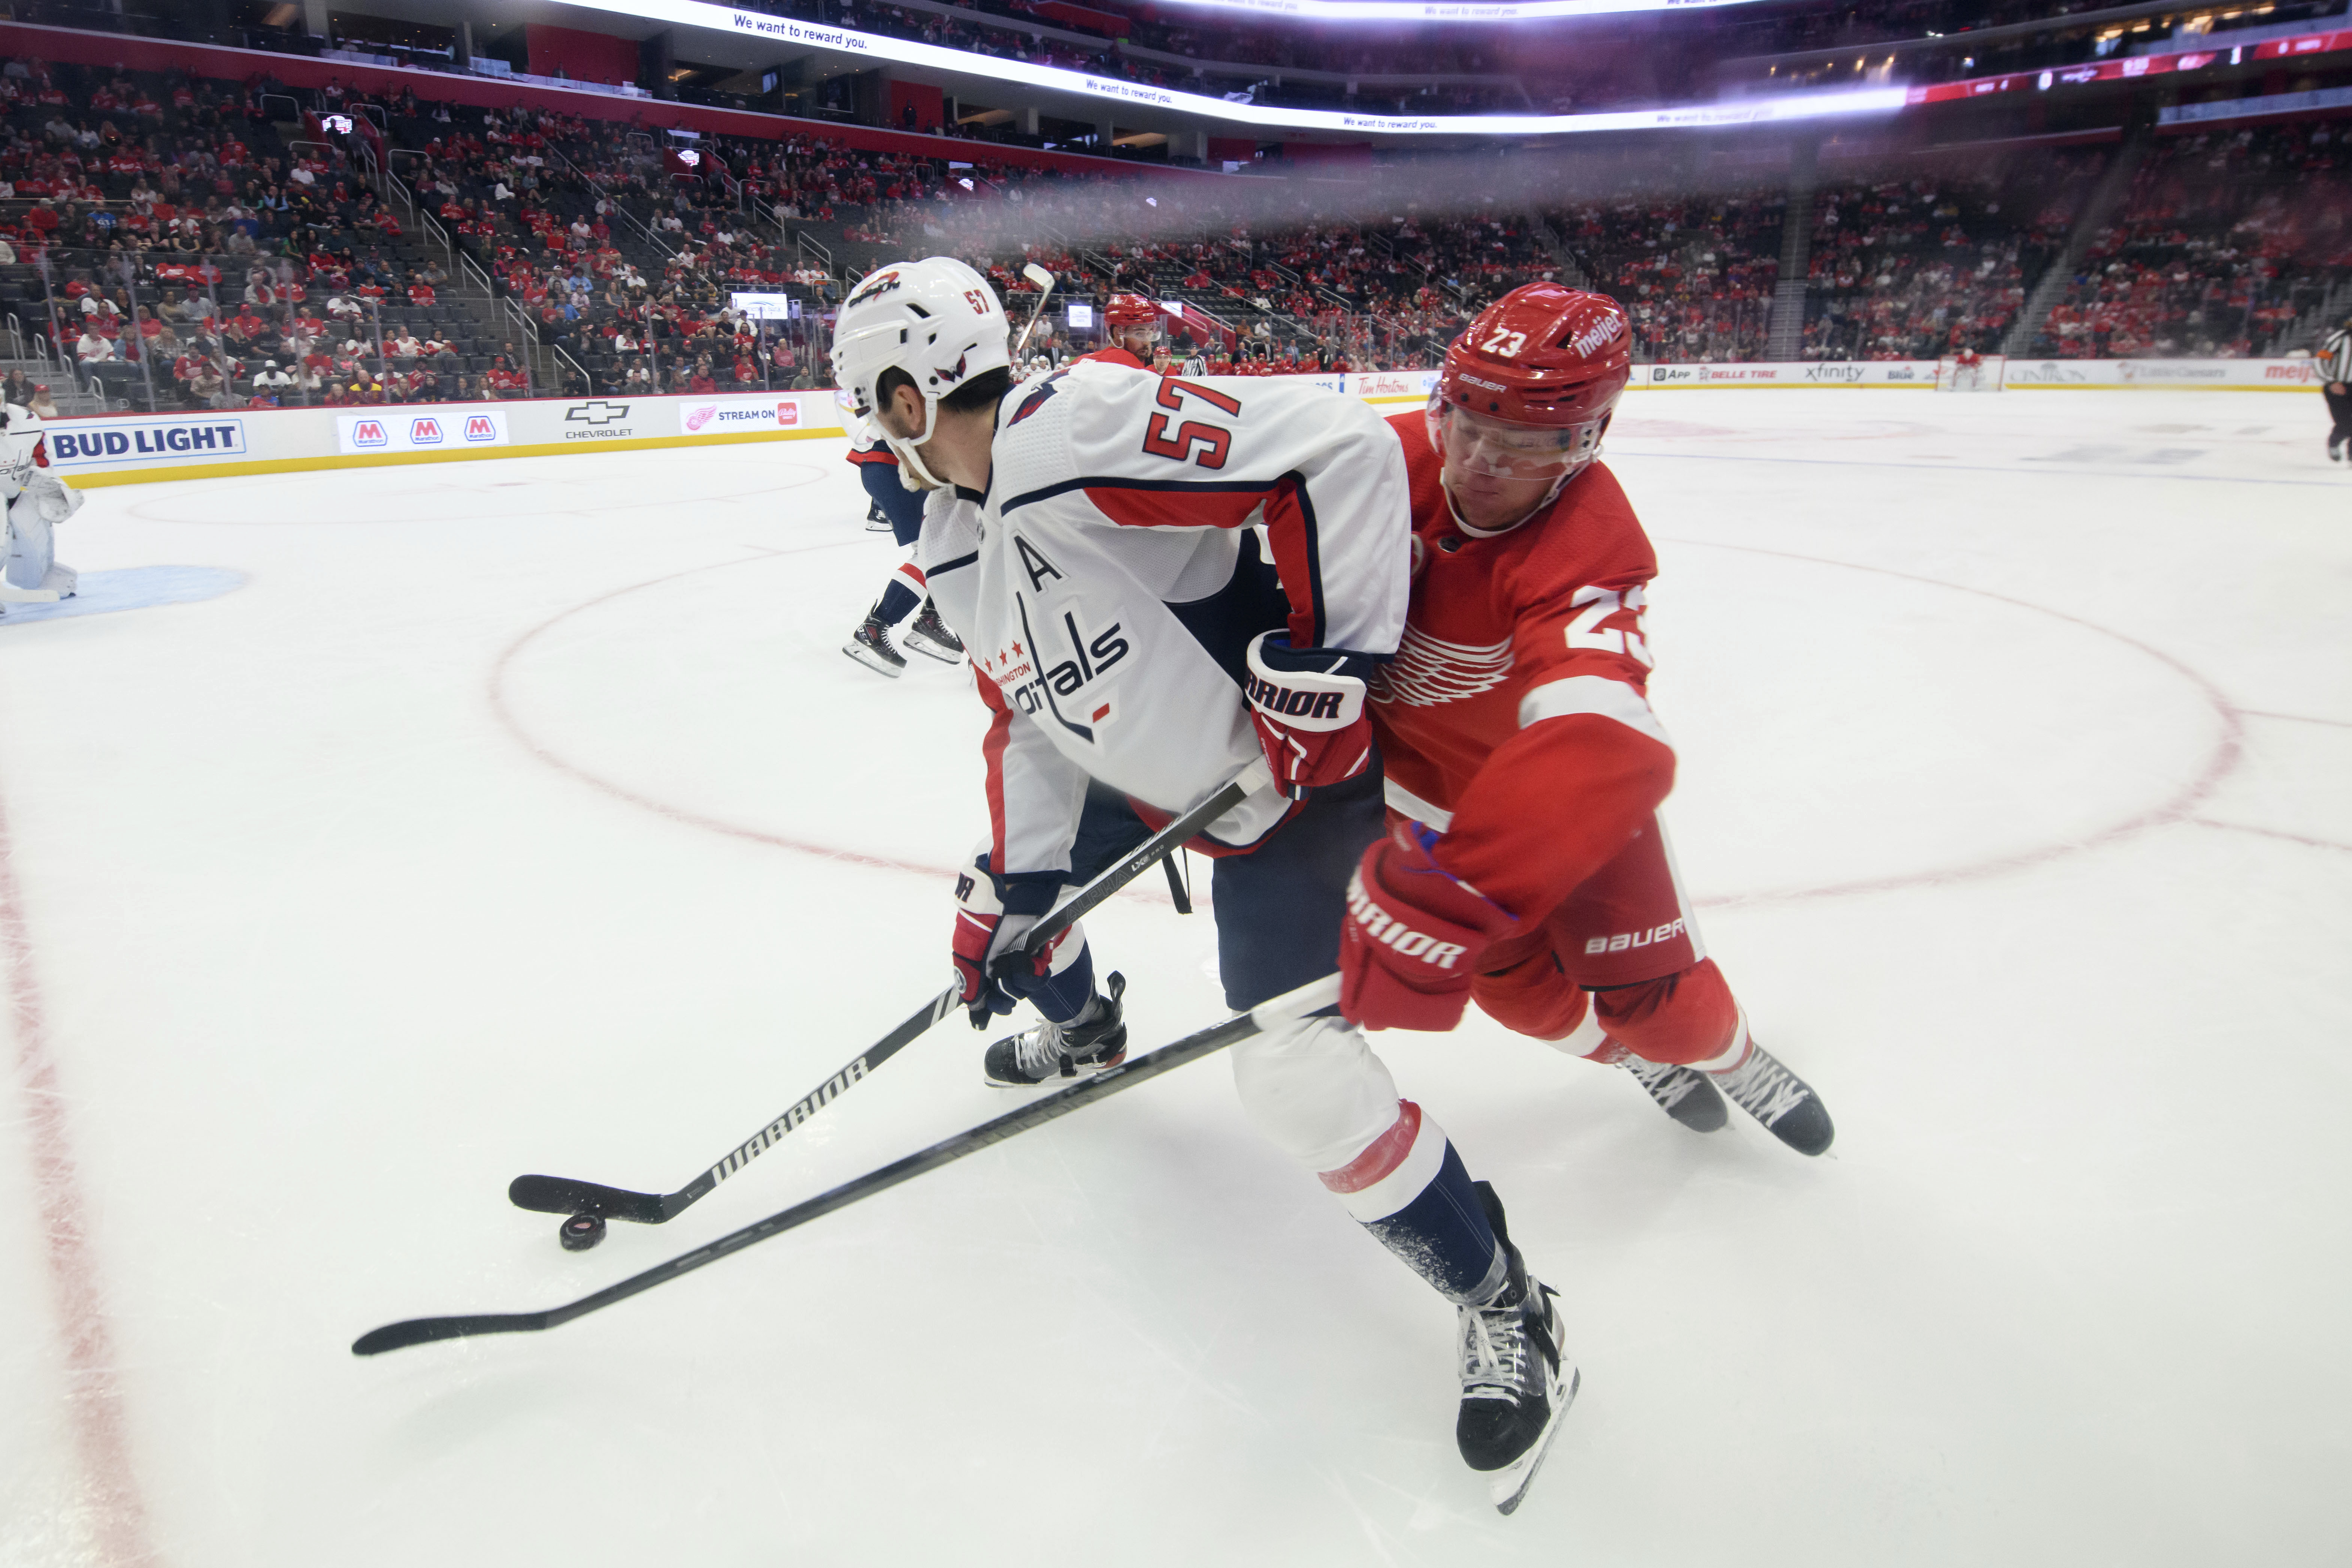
1384	386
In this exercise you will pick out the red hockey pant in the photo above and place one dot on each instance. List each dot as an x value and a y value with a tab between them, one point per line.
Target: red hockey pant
1627	938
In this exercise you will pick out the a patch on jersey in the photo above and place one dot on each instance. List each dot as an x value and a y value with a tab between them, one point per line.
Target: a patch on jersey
1034	563
1036	400
1428	670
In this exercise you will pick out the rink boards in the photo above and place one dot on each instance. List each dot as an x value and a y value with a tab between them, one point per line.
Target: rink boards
121	449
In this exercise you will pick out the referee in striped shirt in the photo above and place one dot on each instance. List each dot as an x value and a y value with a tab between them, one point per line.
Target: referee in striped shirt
2335	375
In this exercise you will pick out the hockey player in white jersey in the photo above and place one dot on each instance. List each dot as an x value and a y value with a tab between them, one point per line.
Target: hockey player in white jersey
37	500
1094	537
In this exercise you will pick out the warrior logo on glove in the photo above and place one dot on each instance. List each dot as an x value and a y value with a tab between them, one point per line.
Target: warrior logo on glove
1309	707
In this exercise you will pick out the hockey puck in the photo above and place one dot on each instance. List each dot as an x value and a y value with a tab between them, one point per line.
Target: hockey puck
581	1232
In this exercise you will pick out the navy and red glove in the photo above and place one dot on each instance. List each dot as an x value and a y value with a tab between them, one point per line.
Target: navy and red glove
1309	707
1410	942
993	978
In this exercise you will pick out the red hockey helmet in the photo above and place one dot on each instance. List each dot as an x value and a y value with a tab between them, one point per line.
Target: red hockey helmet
1130	310
1538	374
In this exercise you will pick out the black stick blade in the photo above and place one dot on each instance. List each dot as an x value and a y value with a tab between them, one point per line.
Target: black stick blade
561	1195
424	1331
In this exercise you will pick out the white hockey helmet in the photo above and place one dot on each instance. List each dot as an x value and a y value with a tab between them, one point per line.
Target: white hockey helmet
936	319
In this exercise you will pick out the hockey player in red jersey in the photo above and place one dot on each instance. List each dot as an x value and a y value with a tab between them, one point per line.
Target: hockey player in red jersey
1131	323
1525	767
1093	537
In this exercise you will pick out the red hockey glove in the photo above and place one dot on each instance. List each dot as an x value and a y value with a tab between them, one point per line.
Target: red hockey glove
1410	942
1308	706
987	933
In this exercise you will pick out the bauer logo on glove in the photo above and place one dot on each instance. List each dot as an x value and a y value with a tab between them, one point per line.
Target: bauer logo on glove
1309	707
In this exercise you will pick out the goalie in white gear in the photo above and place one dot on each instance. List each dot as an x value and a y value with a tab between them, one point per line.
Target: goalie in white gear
1096	542
36	501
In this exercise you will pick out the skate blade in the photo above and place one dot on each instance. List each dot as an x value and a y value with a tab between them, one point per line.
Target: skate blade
918	643
1510	1484
870	659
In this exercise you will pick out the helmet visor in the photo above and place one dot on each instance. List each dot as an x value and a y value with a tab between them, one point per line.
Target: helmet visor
1477	444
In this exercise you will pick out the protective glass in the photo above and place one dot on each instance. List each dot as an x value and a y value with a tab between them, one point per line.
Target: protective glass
1474	442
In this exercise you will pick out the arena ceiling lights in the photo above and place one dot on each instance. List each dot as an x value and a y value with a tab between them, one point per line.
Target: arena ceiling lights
1113	91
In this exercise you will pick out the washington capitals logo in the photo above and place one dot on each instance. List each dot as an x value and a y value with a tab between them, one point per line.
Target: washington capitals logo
873	287
1036	400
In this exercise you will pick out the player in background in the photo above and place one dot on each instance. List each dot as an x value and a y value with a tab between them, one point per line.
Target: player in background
1523	761
1130	331
1097	546
904	594
2335	387
36	501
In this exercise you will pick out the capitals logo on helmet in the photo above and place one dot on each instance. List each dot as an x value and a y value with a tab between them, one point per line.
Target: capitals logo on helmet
1543	354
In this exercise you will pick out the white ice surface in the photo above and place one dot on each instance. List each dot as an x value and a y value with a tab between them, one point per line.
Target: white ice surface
524	815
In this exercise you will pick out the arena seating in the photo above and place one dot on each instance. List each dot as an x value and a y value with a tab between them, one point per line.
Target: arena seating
520	251
2225	239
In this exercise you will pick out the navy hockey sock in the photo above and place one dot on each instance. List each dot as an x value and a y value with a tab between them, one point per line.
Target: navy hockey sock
898	600
1443	1235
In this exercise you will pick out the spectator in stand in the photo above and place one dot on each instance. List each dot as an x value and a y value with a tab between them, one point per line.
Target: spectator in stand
701	382
272	383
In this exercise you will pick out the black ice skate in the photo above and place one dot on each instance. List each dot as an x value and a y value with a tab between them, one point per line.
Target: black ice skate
869	645
928	635
875	523
1517	1379
1785	1103
1094	1039
1682	1093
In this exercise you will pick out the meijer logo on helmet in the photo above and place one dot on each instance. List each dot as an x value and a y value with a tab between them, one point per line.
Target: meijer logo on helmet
1598	335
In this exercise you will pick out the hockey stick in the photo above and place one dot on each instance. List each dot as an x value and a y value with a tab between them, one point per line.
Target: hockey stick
1045	281
560	1194
1307	998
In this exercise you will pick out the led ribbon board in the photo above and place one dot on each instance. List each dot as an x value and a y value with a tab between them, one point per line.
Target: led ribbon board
1118	89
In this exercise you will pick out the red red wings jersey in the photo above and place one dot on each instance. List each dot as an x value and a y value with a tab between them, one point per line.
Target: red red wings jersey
1516	716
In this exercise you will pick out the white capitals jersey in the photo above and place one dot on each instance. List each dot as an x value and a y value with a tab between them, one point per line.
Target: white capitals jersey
1109	579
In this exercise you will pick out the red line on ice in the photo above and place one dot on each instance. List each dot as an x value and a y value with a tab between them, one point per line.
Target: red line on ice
506	716
663	808
2228	749
94	1403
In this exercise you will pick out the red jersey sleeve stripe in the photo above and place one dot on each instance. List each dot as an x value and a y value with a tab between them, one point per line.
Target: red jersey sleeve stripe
1595	694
